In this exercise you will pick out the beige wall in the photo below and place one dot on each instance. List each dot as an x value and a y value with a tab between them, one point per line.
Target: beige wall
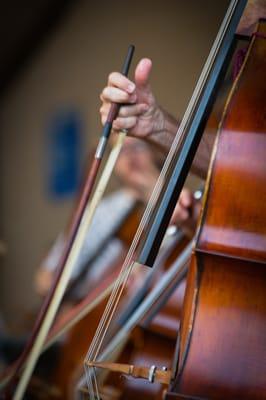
70	70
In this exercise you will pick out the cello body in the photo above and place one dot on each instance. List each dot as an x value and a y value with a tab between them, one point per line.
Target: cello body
222	346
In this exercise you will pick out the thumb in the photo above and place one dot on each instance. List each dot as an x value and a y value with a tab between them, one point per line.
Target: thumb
142	74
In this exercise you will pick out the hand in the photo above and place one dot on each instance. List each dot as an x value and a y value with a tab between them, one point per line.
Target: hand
141	115
186	212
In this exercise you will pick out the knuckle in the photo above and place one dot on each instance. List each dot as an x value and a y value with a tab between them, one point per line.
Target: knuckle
111	77
133	121
119	124
123	112
104	93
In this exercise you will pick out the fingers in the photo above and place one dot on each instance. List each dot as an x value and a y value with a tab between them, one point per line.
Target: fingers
142	76
136	100
125	112
122	90
112	94
124	123
142	73
133	110
119	89
118	80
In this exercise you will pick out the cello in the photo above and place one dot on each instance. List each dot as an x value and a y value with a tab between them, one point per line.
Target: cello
222	353
181	386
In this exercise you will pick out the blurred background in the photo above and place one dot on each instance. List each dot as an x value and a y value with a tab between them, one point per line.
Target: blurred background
55	59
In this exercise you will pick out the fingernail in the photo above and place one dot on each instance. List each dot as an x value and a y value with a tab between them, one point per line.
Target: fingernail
131	87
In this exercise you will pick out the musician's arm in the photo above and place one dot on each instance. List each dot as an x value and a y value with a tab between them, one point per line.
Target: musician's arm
144	118
162	140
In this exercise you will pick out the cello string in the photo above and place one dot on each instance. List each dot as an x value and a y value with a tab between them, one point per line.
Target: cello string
146	216
55	335
143	223
125	267
113	309
177	268
128	260
191	105
120	286
200	84
92	384
88	374
128	264
94	390
153	200
124	276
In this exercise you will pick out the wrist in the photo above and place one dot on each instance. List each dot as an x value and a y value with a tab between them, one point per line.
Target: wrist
163	129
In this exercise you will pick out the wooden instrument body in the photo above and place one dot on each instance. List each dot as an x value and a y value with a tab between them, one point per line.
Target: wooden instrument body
222	352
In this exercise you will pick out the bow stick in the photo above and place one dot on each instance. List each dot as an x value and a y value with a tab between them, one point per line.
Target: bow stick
52	301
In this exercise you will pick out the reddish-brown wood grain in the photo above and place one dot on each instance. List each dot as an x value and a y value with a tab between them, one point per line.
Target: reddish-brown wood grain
223	336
